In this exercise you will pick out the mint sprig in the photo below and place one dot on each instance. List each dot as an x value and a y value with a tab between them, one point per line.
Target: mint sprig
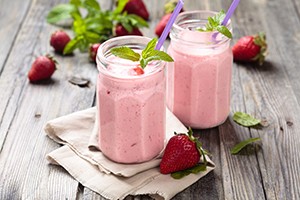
91	24
214	23
148	54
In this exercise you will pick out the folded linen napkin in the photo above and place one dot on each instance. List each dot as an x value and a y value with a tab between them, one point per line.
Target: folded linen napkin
81	157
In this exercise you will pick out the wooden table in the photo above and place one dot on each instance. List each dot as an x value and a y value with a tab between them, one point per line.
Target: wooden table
271	92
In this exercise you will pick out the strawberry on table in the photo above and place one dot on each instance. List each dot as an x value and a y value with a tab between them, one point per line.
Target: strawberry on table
182	152
59	39
162	24
121	31
168	10
42	68
137	7
93	51
250	48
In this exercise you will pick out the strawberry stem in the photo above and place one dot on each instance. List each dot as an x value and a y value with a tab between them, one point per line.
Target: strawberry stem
202	151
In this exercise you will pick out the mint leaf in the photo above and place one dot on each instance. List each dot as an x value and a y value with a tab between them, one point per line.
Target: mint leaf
76	2
137	21
214	23
92	6
237	148
155	55
219	17
148	54
245	119
126	53
224	30
72	45
150	47
194	170
60	12
92	37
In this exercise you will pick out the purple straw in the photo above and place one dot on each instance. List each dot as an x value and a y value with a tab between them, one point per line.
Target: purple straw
169	25
230	11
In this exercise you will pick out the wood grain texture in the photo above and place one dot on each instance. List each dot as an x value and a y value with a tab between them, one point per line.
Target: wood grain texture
25	173
12	15
271	92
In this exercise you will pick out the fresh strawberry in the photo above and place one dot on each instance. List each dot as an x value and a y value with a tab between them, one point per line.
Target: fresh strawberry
162	24
59	39
137	7
121	31
182	152
42	68
251	48
93	51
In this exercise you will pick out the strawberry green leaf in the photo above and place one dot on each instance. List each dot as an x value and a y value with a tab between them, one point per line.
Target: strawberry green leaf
60	12
224	30
126	53
245	119
170	6
194	170
237	148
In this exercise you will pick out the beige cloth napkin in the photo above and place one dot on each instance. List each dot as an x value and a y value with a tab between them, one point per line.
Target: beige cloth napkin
81	157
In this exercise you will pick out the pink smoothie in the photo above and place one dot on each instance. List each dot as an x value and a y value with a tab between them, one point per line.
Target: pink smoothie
199	81
131	111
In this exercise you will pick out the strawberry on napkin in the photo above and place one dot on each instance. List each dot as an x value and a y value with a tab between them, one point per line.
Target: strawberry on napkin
81	157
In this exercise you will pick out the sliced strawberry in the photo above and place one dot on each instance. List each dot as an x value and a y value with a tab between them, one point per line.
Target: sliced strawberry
250	48
138	70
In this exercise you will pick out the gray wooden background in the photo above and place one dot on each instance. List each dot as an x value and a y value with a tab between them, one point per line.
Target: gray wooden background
270	92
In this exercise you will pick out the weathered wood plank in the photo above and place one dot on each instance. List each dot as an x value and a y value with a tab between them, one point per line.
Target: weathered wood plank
271	92
12	16
25	173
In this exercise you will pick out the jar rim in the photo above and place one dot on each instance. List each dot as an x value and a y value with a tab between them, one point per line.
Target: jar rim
130	41
176	28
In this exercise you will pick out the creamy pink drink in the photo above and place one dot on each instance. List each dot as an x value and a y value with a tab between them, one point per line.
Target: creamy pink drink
199	81
131	107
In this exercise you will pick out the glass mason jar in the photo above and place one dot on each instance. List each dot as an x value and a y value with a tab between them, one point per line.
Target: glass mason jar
131	108
199	81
